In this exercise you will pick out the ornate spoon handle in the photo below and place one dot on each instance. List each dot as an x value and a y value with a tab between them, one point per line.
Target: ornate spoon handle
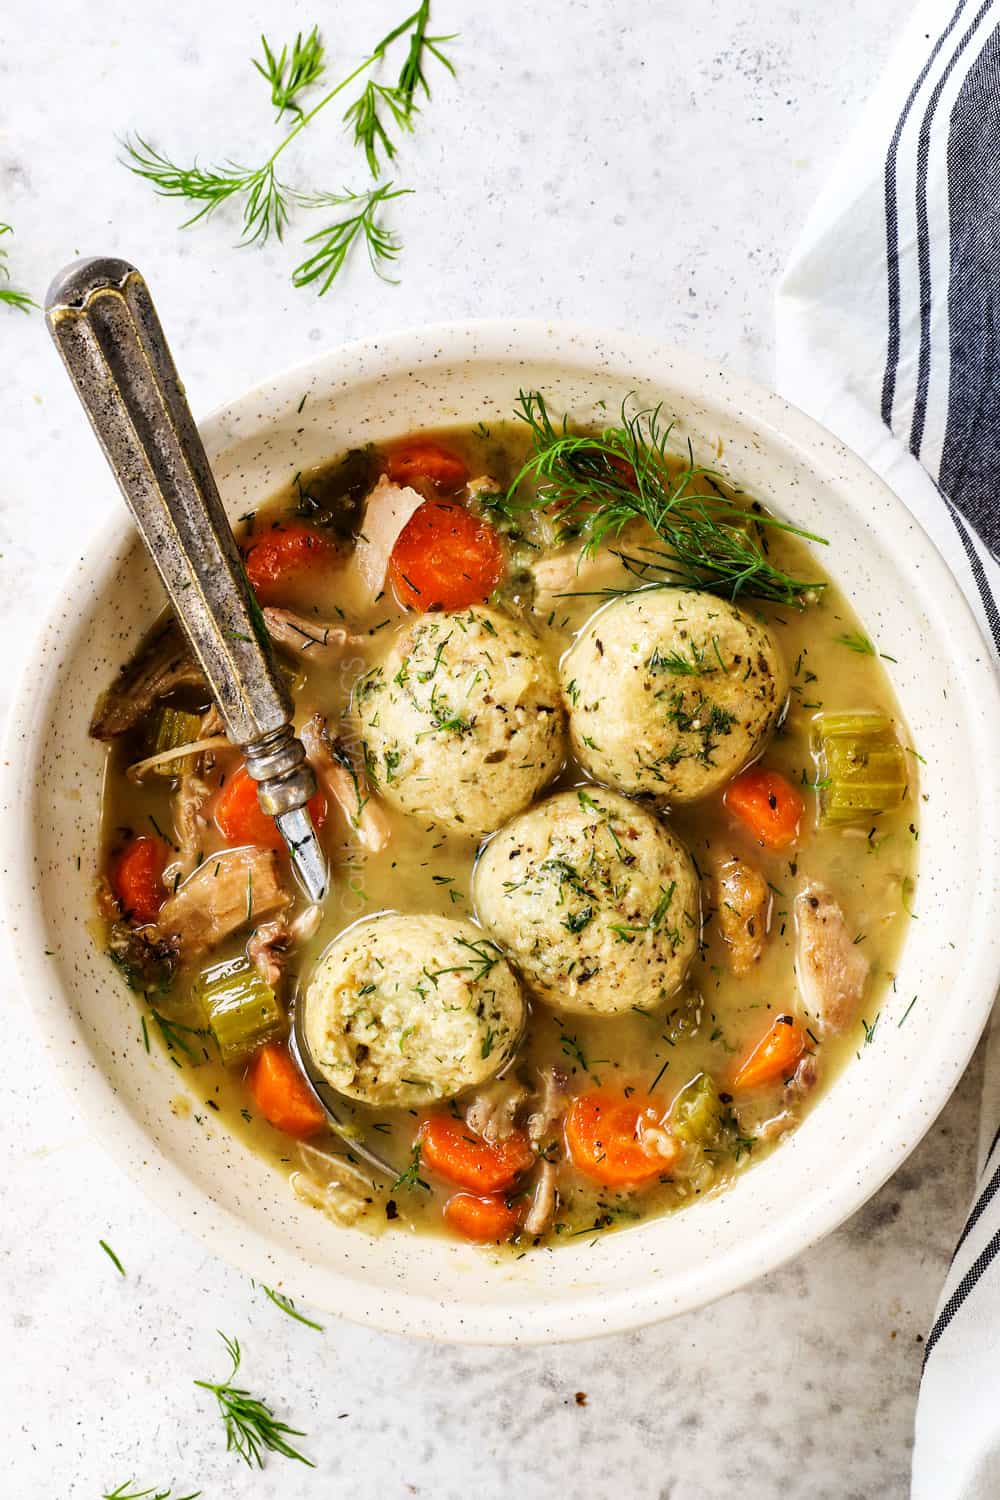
105	326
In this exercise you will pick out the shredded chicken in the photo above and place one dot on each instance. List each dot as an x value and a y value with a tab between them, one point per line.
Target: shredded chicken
831	968
312	638
191	798
337	1188
190	824
346	783
268	948
570	571
804	1079
742	899
387	511
801	1083
492	1110
270	943
551	1104
230	890
164	664
543	1203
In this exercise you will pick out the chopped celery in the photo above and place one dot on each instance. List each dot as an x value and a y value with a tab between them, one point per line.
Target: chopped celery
696	1115
240	1008
862	767
171	729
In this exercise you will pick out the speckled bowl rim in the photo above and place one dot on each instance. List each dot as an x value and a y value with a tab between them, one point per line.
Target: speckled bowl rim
603	1308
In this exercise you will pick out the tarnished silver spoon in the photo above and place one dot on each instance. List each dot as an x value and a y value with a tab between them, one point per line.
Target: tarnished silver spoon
105	326
102	319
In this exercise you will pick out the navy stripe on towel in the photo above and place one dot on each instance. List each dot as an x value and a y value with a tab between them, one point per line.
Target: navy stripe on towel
965	1288
923	237
892	224
970	457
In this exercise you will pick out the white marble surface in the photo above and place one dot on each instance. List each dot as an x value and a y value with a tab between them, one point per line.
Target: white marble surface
641	165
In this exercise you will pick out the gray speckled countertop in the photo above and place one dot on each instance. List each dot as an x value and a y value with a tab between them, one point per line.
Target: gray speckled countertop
638	165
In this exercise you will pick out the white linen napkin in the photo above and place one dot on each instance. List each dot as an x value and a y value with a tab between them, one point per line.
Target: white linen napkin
888	332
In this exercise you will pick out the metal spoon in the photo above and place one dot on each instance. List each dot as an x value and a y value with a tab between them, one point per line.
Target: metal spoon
105	326
102	319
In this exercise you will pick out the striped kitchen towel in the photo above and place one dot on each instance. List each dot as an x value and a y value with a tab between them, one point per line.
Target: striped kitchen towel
888	332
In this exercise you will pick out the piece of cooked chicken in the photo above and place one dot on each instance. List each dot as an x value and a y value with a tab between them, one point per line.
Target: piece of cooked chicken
314	639
341	775
230	890
742	901
831	968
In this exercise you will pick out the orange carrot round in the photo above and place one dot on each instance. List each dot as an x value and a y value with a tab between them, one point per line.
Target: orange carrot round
483	1219
240	818
445	558
446	470
604	1137
282	554
768	804
137	878
449	1148
773	1057
281	1094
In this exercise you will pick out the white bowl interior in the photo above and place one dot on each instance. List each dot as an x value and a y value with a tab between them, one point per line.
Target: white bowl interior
875	1112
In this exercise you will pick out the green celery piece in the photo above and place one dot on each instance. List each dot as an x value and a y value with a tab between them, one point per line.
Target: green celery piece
172	727
696	1115
863	767
240	1009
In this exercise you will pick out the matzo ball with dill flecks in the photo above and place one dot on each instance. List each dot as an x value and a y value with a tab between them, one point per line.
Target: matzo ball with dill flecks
594	899
403	1011
463	723
671	692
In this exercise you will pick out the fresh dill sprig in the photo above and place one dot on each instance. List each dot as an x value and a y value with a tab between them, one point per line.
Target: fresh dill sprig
399	99
251	1426
289	75
112	1257
125	1492
288	1306
264	198
856	642
369	131
601	482
411	75
335	241
10	295
410	1177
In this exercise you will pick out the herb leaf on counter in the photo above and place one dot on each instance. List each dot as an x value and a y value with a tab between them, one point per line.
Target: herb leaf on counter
601	482
251	1426
265	199
126	1492
334	242
288	1306
289	75
10	295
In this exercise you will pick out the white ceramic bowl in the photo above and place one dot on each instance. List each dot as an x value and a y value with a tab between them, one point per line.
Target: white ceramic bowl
865	1125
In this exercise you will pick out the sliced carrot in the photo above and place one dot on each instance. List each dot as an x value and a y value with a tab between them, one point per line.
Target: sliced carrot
282	554
485	1219
445	558
240	818
605	1138
773	1057
137	878
768	804
449	1148
281	1094
446	470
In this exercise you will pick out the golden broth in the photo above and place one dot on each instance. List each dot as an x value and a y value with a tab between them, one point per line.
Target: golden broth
426	870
